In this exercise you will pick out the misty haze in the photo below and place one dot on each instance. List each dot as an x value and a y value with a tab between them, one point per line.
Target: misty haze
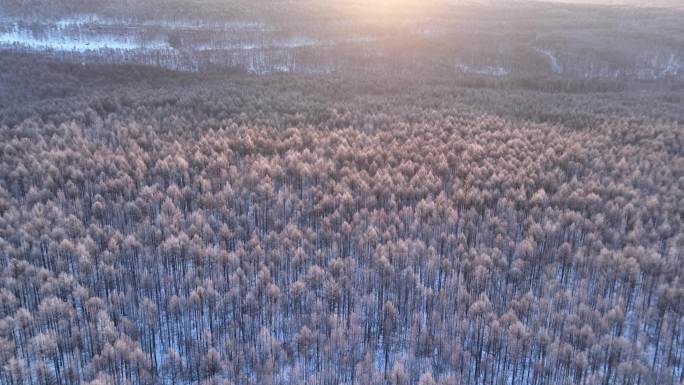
378	192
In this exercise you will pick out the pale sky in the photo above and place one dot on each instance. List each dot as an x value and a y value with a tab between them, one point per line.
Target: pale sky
656	3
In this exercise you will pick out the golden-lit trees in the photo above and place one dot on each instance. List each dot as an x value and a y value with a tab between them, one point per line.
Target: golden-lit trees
157	243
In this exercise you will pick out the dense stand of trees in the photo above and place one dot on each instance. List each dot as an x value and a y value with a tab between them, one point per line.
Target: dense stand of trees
294	230
58	92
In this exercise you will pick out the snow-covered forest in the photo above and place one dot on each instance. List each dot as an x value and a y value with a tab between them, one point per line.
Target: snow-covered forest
219	195
297	230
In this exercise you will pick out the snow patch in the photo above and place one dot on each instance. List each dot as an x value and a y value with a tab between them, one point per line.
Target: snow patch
17	35
552	59
483	70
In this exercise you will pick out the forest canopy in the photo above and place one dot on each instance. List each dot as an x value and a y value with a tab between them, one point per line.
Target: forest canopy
230	229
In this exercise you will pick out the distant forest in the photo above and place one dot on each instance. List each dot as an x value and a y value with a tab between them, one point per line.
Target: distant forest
220	228
498	38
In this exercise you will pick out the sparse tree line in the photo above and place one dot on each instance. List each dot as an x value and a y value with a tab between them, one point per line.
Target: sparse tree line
259	236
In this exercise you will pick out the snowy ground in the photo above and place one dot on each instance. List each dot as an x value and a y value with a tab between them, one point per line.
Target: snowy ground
260	48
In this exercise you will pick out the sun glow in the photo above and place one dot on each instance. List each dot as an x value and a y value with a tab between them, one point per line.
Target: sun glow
386	12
